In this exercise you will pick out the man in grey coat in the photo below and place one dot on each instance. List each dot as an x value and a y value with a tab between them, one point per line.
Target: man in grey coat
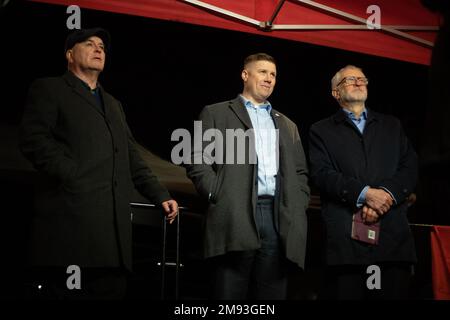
257	190
76	136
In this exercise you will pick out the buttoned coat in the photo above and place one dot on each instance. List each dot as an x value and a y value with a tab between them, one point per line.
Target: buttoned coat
343	161
89	165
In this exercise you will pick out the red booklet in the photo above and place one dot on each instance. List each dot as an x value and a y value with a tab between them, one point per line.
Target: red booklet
361	231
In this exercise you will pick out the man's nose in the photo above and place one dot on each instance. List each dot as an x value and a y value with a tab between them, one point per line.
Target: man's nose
98	48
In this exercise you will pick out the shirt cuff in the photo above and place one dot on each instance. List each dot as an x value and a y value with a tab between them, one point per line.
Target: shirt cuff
362	197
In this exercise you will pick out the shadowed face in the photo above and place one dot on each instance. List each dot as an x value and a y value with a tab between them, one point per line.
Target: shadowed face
87	55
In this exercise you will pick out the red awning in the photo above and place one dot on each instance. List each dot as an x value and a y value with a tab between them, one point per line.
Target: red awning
407	28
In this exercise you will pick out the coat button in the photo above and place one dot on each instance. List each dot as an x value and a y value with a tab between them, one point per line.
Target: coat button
115	183
344	193
116	150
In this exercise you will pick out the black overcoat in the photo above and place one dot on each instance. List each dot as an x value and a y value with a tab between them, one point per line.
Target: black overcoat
343	161
89	165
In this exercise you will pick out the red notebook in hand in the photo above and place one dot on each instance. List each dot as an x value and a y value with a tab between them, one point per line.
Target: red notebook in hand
367	233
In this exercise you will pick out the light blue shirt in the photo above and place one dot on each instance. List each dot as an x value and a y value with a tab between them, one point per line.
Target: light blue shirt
360	123
266	145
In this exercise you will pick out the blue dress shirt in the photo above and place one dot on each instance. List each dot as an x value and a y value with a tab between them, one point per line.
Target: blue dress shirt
266	145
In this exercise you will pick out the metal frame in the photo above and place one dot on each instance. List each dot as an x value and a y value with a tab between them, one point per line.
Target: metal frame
164	263
177	258
269	26
223	12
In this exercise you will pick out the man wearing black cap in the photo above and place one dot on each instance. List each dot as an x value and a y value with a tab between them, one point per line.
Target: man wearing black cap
76	135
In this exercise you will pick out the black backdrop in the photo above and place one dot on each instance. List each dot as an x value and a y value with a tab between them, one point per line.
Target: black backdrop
165	72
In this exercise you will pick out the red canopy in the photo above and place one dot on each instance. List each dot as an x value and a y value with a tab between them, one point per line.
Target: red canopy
407	28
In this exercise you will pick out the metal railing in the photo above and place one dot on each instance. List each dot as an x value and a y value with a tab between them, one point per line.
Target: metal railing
165	263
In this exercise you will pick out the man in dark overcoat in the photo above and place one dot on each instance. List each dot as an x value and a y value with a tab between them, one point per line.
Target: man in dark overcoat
75	134
362	159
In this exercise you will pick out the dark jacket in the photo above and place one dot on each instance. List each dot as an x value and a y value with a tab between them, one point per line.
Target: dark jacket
342	163
230	220
89	165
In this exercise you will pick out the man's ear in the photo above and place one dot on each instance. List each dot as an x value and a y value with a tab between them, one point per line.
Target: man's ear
335	94
244	75
69	55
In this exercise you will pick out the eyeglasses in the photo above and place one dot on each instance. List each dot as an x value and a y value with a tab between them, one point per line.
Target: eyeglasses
351	81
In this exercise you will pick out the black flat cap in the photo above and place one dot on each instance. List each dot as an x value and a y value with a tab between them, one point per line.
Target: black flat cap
81	35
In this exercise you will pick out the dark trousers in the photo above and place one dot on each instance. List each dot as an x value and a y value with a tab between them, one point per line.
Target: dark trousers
350	282
256	274
96	284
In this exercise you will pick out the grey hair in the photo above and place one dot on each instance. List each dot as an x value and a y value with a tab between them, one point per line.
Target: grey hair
338	76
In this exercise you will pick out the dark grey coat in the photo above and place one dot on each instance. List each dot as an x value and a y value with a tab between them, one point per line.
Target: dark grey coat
342	163
90	164
230	220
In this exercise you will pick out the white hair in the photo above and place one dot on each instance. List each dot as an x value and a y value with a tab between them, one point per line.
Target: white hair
338	76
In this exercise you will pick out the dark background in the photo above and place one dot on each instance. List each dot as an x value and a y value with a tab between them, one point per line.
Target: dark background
166	72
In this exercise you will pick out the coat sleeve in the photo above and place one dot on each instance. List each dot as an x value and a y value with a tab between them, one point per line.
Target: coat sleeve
326	177
403	182
144	180
37	139
301	168
202	174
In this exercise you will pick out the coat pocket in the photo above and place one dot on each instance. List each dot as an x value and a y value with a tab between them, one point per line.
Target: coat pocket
215	188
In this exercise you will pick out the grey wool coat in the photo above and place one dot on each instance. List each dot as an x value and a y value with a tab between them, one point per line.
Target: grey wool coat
89	164
232	188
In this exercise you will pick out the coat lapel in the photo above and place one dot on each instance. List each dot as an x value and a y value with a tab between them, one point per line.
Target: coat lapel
341	117
372	117
107	101
282	128
277	119
78	88
239	109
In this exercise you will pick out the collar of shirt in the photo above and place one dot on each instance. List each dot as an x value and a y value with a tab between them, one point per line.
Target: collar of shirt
352	117
96	93
266	105
93	91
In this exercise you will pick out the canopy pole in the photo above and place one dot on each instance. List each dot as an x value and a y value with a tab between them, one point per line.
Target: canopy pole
268	24
224	12
363	21
348	27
